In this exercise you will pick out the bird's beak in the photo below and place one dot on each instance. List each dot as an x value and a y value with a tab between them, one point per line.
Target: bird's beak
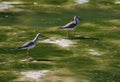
80	19
42	35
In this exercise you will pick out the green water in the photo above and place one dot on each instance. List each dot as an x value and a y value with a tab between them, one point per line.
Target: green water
100	22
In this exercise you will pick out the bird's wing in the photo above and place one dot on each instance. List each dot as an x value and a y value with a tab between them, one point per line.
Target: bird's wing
69	25
26	44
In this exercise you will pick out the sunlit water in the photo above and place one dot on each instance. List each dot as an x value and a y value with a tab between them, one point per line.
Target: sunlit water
8	5
59	42
82	1
34	74
94	52
117	2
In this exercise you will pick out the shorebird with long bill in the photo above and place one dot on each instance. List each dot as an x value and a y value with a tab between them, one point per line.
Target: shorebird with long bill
29	45
71	25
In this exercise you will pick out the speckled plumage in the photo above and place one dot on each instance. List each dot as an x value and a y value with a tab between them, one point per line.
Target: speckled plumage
30	44
71	25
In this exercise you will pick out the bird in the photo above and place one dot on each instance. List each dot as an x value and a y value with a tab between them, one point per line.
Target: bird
29	45
71	25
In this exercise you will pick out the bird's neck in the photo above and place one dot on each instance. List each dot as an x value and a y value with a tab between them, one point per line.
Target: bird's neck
76	20
36	38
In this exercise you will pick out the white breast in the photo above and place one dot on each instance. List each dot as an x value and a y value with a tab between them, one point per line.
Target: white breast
31	46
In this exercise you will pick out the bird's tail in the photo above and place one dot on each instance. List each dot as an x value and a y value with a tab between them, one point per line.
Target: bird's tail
19	47
61	28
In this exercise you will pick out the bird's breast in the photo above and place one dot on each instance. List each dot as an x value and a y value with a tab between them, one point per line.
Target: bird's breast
32	46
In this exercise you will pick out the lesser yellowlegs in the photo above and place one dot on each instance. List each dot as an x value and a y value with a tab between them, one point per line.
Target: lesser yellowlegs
29	45
71	25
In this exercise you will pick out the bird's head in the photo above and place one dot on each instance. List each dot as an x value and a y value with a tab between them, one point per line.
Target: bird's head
76	18
38	34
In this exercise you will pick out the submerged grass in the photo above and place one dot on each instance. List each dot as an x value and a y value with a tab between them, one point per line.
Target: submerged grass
7	76
98	30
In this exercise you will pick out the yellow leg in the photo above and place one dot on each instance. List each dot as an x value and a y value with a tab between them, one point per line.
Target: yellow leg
27	54
67	35
74	33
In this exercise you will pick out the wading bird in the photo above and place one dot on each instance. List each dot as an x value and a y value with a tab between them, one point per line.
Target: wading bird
71	25
29	45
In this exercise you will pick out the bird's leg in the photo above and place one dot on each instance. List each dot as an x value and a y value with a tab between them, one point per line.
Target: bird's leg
62	34
74	33
67	35
27	54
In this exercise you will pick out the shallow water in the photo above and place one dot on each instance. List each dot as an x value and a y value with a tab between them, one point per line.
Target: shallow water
94	52
34	74
117	2
81	1
8	5
59	42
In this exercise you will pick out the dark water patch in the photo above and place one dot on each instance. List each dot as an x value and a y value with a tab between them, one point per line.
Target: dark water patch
9	18
3	37
38	59
9	50
77	63
85	38
115	64
104	76
7	76
103	2
47	50
31	66
51	2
